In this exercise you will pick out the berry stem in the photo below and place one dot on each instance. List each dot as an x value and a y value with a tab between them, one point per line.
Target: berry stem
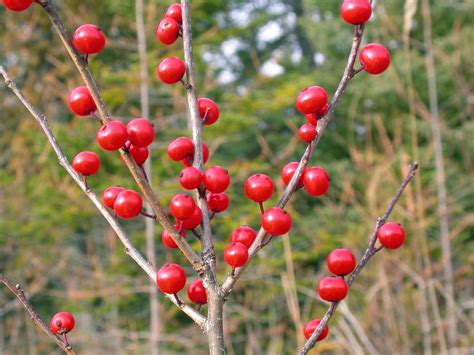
212	216
66	342
84	180
178	300
143	213
198	236
95	117
262	209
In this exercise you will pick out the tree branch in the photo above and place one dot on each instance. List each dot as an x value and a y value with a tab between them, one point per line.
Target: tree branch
369	253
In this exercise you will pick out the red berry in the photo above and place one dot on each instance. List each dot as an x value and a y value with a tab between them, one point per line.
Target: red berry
205	156
128	204
311	100
62	322
17	5
139	154
171	278
236	255
208	110
323	111
194	221
190	178
244	235
288	172
110	194
375	58
356	12
180	149
86	163
276	221
182	206
171	70
140	132
167	31
218	203
89	39
307	133
197	292
332	289
175	12
216	179
259	188
168	241
391	235
81	102
311	327
341	262
112	135
316	181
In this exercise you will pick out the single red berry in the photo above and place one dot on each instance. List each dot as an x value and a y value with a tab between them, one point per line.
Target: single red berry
307	133
89	39
171	70
128	204
311	327
208	110
332	289
194	221
236	255
244	235
81	102
140	132
168	241
175	12
259	187
375	58
190	178
197	292
182	206
112	135
316	181
139	154
356	12
62	323
288	172
216	179
391	235
276	221
171	278
86	163
167	31
17	5
341	262
110	194
218	203
181	148
205	156
311	100
312	119
323	111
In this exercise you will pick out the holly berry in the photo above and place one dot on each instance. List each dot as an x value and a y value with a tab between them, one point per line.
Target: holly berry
391	235
288	172
167	31
175	12
236	255
139	154
190	178
259	187
171	278
218	203
128	204
323	111
197	292
112	135
311	327
276	221
375	58
89	39
205	156
208	110
86	163
356	12
316	181
182	206
168	241
216	179
180	148
244	235
307	133
311	100
17	5
62	323
171	70
194	221
140	132
110	194
81	102
332	289
341	262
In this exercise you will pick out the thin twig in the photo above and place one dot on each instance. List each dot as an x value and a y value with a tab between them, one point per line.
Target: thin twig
369	253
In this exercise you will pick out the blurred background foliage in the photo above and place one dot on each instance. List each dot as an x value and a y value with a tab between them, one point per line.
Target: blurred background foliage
252	57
